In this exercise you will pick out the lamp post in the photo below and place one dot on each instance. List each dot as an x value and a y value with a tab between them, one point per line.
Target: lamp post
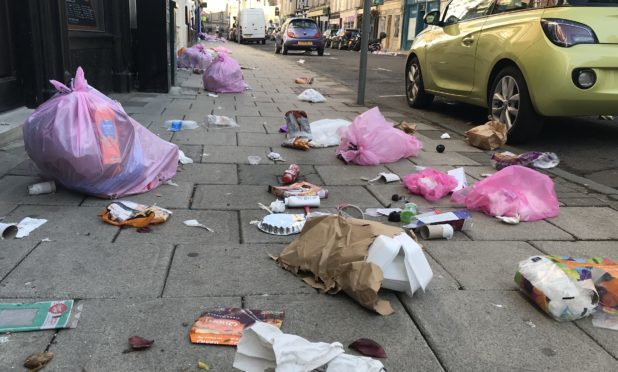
362	72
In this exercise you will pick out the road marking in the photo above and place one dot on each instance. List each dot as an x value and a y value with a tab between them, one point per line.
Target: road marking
382	69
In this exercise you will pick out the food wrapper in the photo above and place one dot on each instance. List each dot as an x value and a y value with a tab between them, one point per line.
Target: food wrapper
128	213
488	136
298	189
409	128
569	288
300	143
304	80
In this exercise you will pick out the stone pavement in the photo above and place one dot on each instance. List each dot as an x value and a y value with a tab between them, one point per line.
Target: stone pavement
471	318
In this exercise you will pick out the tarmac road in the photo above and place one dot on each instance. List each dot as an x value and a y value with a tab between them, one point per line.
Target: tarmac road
587	147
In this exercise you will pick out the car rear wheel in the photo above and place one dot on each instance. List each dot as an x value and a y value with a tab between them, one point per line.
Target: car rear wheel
263	41
277	48
509	102
415	90
321	51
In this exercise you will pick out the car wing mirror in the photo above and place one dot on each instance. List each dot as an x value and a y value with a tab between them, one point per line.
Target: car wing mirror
433	18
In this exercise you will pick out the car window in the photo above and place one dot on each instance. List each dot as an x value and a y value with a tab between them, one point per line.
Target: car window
463	10
503	6
304	24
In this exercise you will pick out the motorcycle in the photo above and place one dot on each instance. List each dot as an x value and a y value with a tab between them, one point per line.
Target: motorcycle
376	45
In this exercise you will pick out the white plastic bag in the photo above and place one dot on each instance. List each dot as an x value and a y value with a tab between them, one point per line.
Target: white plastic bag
325	132
311	95
216	121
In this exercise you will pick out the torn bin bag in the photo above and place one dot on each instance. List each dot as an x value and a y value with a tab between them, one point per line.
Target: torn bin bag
85	141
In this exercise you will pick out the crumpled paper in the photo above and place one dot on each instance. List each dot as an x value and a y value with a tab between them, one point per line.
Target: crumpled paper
488	136
264	346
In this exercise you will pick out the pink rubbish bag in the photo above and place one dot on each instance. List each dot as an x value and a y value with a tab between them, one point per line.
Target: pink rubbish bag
224	76
371	140
430	183
85	141
511	191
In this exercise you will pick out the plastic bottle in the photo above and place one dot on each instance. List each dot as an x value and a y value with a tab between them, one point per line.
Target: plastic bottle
178	125
290	174
108	135
409	211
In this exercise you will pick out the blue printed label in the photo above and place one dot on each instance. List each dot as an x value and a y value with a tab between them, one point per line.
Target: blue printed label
107	128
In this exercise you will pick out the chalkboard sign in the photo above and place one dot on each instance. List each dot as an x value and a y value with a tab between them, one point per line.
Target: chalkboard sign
81	15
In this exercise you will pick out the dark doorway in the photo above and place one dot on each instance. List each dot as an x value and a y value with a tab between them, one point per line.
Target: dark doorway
11	90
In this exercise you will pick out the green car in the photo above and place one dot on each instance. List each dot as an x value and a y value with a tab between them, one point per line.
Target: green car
522	59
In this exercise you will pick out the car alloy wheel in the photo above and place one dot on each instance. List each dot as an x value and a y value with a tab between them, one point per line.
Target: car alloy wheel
414	77
505	101
415	89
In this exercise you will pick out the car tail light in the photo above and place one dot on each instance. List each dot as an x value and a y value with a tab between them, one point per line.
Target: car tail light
291	34
568	33
318	35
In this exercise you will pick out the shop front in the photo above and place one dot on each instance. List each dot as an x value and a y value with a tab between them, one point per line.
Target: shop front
413	13
348	19
334	20
390	23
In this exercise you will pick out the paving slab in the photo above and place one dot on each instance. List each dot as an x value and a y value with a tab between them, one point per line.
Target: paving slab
269	174
271	124
14	189
489	228
66	224
251	234
25	168
481	265
584	202
192	151
201	136
260	139
96	345
348	174
607	338
384	193
486	337
431	157
442	279
234	155
6	208
327	318
174	231
582	248
214	174
89	270
166	196
593	223
16	347
229	196
11	254
196	271
324	156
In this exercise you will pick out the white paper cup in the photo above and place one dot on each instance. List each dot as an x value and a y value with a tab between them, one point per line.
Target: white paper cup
429	232
42	188
8	230
254	159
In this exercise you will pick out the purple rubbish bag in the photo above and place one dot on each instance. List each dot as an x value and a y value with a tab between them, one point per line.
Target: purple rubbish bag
224	76
430	183
371	140
85	141
511	191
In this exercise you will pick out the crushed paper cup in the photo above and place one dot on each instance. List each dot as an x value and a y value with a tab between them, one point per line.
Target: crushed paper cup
282	224
8	230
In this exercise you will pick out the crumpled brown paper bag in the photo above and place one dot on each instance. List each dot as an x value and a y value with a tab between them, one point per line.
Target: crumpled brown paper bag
488	136
335	249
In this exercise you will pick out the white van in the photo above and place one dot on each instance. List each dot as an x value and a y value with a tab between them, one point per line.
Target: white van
251	25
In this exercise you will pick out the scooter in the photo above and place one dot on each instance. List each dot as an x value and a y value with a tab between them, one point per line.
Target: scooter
376	45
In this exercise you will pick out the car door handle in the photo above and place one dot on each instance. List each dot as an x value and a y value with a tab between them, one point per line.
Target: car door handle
467	40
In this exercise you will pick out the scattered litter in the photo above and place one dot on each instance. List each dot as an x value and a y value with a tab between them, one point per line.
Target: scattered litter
195	57
368	347
432	184
203	365
440	148
569	288
46	240
485	175
20	317
224	326
291	174
386	176
513	190
298	189
350	211
601	319
488	136
171	183
224	75
264	347
394	216
248	68
20	230
444	231
183	159
543	160
254	159
409	128
4	339
195	223
371	140
410	210
530	324
128	213
297	124
498	305
275	156
304	80
37	361
311	95
333	248
324	132
212	95
300	61
509	220
112	156
299	143
8	230
42	188
459	219
218	121
137	343
278	206
282	224
460	175
178	125
445	136
283	128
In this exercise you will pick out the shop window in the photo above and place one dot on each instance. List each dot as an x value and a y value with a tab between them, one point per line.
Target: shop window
85	15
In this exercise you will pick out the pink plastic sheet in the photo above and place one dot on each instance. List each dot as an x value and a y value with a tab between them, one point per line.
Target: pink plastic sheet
371	140
513	190
85	141
430	183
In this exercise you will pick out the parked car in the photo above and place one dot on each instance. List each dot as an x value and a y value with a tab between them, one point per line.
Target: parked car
523	60
328	36
343	36
299	34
